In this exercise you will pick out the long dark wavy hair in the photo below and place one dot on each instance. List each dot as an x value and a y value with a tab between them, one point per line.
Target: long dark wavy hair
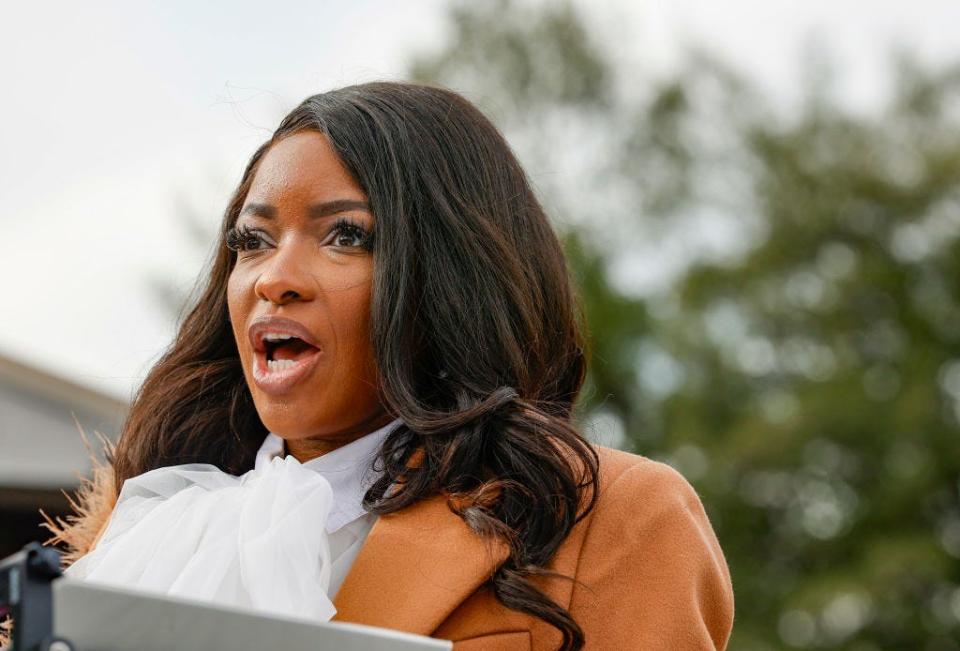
476	330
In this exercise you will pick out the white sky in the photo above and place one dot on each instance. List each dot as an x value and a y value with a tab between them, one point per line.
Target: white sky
113	115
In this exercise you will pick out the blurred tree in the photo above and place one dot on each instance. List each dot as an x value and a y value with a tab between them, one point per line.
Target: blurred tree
802	368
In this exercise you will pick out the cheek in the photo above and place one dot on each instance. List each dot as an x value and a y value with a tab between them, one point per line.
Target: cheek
238	290
237	304
352	314
232	298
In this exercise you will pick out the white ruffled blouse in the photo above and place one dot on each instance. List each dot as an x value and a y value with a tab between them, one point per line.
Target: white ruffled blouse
278	539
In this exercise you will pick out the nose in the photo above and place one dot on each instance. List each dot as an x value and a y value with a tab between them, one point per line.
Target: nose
286	276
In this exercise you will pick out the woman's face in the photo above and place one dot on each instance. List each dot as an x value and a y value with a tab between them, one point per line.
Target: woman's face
301	256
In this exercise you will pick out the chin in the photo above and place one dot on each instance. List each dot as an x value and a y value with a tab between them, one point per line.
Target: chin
286	418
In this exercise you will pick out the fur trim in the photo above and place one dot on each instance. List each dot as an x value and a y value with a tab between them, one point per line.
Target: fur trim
92	505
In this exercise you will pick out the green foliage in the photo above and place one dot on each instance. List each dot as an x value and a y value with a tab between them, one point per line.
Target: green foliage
541	56
807	382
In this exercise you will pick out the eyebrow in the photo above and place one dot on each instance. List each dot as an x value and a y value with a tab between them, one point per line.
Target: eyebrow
316	211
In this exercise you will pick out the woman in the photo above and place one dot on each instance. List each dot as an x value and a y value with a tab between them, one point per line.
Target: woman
387	245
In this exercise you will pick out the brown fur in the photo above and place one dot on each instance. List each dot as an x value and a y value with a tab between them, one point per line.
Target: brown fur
92	504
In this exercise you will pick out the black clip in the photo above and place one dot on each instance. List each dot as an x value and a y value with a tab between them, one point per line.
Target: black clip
26	594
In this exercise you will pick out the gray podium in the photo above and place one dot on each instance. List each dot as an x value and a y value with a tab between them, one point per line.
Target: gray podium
102	618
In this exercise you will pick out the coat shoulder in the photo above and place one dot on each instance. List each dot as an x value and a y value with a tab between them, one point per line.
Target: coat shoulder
636	493
648	552
622	472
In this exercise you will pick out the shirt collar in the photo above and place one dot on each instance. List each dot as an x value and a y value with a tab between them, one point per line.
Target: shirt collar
348	469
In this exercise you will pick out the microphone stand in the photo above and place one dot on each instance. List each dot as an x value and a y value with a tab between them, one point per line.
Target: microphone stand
26	594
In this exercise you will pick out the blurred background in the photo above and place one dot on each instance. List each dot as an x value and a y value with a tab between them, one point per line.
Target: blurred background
760	202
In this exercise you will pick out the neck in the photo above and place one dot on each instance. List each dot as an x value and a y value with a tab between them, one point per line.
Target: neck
311	447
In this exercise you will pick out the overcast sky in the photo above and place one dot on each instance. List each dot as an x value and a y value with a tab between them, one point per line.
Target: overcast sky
114	116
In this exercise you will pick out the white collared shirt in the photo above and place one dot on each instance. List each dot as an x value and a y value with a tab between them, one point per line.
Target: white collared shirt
348	469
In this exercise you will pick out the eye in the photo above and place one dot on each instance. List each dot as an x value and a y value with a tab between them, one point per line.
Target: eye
346	234
349	233
242	238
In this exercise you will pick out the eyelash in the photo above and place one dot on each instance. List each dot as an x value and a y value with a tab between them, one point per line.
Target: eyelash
237	238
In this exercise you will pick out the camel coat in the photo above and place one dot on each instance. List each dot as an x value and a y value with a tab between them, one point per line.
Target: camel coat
649	572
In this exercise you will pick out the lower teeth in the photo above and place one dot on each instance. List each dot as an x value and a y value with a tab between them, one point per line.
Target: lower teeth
280	364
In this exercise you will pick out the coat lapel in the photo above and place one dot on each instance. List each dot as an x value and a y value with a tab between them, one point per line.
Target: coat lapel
415	567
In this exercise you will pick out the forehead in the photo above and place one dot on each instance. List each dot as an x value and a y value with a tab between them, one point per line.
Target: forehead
302	167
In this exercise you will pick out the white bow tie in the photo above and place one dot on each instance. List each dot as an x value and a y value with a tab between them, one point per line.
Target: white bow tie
257	541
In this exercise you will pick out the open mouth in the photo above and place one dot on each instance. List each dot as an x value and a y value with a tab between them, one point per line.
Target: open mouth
288	350
283	364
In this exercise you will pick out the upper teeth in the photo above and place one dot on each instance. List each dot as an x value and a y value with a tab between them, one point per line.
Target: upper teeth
277	337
